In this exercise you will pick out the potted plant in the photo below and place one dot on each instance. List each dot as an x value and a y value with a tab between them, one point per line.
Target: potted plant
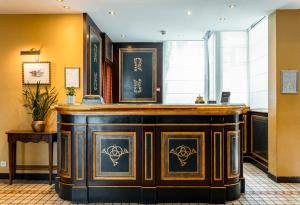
39	103
71	93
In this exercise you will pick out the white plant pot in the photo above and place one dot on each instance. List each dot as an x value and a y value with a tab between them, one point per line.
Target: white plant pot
70	99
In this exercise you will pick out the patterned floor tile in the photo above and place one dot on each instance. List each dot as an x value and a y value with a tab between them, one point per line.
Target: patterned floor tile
259	190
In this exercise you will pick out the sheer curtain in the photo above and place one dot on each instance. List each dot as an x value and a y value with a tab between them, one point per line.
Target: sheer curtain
183	78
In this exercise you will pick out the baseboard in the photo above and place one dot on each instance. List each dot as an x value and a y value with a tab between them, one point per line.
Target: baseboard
284	179
28	176
256	162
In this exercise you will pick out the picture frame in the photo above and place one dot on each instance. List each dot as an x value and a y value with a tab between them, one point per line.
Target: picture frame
225	97
137	75
289	81
108	48
33	72
72	77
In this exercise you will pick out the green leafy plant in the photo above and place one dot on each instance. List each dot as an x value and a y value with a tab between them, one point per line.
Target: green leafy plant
39	102
71	91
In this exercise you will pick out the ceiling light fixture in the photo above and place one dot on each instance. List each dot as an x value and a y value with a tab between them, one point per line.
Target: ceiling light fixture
112	13
163	32
232	6
222	19
189	12
60	0
67	7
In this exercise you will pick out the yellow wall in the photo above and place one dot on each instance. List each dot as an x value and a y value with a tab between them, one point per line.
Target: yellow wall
61	40
284	123
272	144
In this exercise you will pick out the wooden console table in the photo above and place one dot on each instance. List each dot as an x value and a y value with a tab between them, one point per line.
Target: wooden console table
28	136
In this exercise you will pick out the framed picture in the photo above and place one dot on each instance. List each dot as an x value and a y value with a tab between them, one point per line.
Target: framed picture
137	74
289	81
225	97
95	59
72	77
108	49
34	72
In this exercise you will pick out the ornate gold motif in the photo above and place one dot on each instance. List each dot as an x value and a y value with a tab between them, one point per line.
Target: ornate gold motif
183	153
95	53
137	86
115	152
137	62
95	81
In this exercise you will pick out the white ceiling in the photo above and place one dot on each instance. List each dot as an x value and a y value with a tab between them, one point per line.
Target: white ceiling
141	20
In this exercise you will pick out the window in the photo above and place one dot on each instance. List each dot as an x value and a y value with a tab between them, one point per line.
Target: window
233	63
183	78
258	65
211	44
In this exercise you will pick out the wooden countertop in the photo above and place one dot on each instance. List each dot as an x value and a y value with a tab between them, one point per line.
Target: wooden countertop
152	109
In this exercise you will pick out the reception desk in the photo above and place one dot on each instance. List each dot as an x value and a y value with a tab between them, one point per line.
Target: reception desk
150	153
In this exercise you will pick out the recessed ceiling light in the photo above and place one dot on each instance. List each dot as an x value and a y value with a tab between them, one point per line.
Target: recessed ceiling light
232	6
222	19
60	0
189	12
67	7
163	32
122	35
112	13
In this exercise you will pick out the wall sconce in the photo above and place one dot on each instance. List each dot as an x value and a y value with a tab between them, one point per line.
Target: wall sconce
32	51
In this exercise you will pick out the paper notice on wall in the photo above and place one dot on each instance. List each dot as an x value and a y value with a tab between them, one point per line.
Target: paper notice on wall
289	81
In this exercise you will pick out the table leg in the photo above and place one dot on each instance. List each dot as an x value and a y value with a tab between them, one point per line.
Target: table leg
10	151
50	161
14	160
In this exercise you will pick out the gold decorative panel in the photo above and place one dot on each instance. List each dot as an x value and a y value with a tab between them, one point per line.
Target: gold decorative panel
114	155
233	154
65	161
183	156
218	156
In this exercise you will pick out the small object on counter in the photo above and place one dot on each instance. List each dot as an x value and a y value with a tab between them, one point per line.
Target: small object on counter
212	102
199	100
92	100
225	98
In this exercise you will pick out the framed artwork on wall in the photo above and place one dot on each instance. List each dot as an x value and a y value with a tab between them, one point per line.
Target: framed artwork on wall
108	49
137	74
72	77
289	81
34	72
95	60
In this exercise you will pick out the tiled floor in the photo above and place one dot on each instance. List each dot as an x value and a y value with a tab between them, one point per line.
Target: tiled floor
259	190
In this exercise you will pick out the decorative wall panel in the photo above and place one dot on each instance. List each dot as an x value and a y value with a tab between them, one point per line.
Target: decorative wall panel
95	62
259	137
137	74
